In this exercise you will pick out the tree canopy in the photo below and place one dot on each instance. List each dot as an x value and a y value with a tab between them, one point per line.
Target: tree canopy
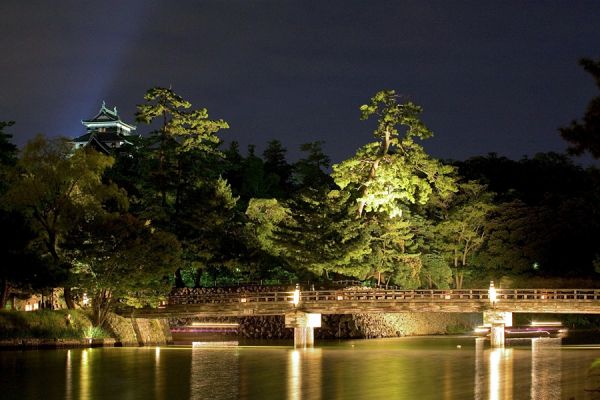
584	136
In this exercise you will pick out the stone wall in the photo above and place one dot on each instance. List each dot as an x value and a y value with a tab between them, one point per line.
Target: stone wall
152	331
139	331
395	325
353	326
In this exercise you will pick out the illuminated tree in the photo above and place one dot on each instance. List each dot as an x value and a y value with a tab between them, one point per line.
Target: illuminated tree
462	227
185	192
181	137
393	253
322	235
388	176
120	259
395	170
56	189
20	265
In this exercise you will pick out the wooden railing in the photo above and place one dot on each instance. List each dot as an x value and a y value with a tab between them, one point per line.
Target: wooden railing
359	295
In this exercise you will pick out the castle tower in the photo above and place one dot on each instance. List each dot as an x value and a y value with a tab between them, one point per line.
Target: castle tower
105	131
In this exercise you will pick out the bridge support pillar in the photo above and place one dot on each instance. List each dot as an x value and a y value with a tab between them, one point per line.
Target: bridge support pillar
304	337
497	321
489	317
497	334
304	325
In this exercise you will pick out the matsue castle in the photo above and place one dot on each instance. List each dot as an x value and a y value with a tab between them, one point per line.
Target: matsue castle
105	132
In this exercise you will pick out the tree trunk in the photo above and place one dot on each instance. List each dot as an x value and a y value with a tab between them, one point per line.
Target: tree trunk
458	279
68	294
198	278
101	305
385	146
179	279
4	287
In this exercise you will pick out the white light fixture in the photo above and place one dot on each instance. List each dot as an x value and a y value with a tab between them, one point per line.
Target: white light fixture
492	293
296	298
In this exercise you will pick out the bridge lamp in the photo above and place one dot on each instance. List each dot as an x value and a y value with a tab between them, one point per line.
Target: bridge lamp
296	298
492	293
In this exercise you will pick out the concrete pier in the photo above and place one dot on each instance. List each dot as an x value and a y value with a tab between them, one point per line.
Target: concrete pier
497	321
303	324
497	334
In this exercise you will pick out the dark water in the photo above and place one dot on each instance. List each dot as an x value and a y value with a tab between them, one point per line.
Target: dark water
406	368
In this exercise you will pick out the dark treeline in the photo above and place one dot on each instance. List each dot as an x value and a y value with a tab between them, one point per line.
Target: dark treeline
178	208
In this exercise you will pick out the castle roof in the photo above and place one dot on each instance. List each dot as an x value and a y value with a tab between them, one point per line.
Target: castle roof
107	118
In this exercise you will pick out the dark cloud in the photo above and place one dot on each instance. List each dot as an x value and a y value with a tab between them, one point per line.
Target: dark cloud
492	77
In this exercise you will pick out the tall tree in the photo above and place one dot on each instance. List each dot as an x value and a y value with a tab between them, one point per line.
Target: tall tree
57	189
193	201
8	150
388	176
322	235
277	168
234	167
461	230
585	135
311	170
120	258
20	265
208	227
179	133
393	255
394	169
256	183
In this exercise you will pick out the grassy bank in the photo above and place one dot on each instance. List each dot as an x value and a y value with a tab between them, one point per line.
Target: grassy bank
47	324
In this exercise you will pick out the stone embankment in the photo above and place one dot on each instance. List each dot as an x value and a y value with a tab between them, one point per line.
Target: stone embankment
139	331
61	332
365	326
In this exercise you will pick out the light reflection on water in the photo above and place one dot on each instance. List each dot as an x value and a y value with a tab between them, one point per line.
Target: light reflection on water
214	373
408	368
304	374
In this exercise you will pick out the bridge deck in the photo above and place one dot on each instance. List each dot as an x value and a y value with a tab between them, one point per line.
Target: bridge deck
584	301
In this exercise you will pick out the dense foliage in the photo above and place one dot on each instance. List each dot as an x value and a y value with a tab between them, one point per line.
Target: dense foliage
178	208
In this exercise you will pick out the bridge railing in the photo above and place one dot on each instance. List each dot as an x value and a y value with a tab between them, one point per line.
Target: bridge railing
359	295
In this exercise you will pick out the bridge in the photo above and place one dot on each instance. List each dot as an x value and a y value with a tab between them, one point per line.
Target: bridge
303	309
567	301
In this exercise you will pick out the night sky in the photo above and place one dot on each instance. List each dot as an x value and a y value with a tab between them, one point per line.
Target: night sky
492	76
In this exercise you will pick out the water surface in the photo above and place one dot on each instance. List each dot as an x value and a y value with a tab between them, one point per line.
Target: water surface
404	368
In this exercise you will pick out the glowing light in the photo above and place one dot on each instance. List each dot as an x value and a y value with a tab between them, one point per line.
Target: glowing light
313	320
546	323
482	329
296	298
492	293
68	379
230	343
84	374
294	377
215	324
243	300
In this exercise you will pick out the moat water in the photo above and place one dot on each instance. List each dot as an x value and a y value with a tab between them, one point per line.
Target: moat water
403	368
